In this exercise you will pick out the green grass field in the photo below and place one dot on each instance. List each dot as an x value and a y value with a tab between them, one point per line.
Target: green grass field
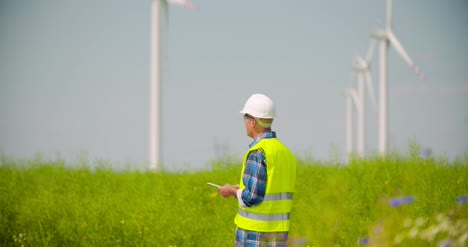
49	204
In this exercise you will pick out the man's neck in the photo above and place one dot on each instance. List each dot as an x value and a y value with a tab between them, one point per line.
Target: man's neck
257	134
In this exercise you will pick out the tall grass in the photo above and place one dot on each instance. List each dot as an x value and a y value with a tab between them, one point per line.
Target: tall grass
50	204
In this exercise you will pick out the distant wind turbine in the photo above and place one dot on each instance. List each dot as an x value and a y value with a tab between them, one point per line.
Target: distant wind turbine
158	7
387	37
361	66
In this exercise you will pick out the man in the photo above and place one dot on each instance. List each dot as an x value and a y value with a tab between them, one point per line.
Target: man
267	181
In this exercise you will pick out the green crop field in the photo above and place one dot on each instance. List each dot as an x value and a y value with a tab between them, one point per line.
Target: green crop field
402	200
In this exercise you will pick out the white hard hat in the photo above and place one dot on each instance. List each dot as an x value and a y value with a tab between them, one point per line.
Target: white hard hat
259	106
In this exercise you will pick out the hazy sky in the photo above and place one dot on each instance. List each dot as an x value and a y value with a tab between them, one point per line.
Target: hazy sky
74	76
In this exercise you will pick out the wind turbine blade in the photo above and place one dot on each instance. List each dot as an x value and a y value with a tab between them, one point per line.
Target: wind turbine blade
399	48
389	14
370	51
351	92
183	3
370	89
401	51
419	73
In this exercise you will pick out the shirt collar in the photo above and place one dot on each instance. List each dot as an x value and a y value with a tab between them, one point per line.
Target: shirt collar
266	135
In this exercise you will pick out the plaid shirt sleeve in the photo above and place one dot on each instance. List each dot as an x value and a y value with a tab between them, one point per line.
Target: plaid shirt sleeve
254	178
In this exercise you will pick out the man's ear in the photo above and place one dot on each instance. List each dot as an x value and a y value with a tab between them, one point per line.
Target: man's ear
254	122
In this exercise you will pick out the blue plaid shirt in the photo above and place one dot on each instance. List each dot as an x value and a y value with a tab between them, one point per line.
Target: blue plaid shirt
255	179
255	175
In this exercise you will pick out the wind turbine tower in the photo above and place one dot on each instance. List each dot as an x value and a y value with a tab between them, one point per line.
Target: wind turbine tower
387	37
158	8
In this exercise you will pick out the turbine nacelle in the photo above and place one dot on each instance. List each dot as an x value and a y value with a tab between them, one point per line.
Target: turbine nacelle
379	34
360	64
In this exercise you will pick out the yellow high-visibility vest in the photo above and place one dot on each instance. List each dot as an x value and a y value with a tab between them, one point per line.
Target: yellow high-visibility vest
273	213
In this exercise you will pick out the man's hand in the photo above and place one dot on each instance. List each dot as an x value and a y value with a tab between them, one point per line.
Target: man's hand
228	190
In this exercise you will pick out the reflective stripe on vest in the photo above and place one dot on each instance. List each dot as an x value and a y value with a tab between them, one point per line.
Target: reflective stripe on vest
263	217
278	197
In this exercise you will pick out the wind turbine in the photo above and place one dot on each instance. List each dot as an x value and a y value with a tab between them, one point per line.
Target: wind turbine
158	8
361	66
387	37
